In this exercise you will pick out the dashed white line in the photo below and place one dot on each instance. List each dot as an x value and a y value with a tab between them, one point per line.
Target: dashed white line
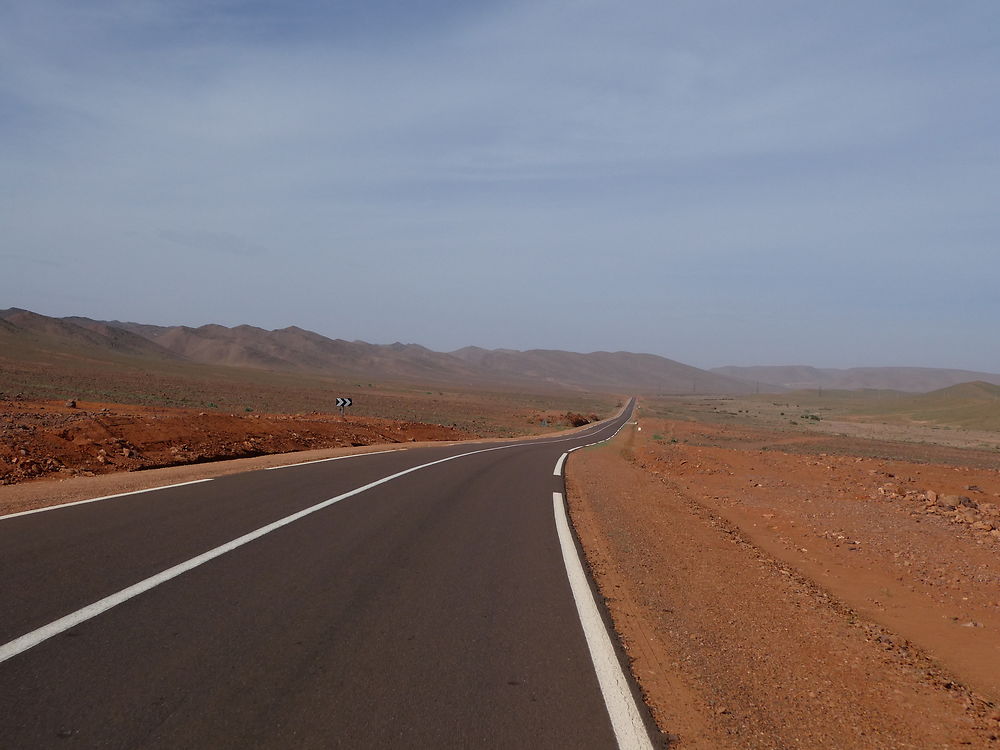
29	640
103	497
559	465
626	721
596	428
23	643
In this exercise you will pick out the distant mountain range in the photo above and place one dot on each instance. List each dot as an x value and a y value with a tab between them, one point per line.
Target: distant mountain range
912	379
24	334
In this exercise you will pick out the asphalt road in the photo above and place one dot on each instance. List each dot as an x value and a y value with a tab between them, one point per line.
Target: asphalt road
287	609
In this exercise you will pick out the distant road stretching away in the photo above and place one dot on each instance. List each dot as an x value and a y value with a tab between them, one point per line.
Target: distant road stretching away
419	598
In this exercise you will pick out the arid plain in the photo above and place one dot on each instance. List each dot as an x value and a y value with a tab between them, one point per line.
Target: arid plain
791	569
795	571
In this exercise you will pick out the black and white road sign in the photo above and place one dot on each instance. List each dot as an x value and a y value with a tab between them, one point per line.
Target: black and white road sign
342	402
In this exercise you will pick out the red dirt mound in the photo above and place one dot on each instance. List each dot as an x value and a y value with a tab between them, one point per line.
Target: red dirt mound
46	438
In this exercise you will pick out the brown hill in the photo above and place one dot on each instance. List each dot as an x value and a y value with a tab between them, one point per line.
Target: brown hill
974	405
295	350
977	390
911	379
141	329
26	331
299	350
646	373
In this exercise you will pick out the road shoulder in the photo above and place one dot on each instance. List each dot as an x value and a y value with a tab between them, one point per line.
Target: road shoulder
734	648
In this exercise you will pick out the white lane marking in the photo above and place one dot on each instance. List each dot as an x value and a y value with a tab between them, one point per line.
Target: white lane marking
335	458
596	428
23	643
625	718
104	497
559	465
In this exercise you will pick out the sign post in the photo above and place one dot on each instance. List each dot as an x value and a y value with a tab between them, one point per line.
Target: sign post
343	403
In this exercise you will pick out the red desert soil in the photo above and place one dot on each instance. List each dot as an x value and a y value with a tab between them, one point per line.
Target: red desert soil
49	438
130	446
796	598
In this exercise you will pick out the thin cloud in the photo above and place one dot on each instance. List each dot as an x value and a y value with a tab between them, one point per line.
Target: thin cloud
721	165
214	242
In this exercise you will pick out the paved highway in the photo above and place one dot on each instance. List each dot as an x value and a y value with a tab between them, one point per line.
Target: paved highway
419	598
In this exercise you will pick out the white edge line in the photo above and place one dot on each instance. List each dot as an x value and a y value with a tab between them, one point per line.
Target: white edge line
272	468
626	721
334	458
103	497
559	465
28	640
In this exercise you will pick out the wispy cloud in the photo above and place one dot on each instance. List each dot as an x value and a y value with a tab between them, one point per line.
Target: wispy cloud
721	165
213	242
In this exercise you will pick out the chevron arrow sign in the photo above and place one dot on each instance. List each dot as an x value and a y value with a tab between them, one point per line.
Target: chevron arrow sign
342	402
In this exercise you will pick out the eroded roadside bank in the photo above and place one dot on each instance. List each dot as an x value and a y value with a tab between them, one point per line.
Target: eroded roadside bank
768	600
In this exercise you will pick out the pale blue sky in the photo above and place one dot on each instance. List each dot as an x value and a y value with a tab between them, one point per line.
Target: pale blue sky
716	182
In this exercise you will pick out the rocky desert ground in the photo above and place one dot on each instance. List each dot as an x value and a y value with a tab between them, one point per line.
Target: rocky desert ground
781	581
55	440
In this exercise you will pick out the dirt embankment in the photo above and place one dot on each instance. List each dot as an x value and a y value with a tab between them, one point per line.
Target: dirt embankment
49	439
774	599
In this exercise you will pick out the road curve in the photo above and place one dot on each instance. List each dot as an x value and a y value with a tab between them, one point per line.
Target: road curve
417	598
